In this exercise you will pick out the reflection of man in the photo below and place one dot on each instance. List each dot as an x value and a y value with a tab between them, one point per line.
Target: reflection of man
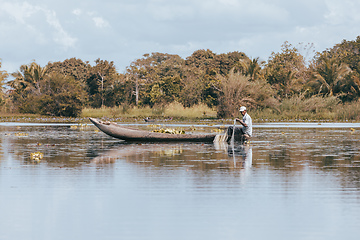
243	151
244	133
248	157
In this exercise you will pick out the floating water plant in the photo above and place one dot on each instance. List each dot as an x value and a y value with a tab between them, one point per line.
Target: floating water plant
36	156
192	128
20	134
153	125
217	130
80	126
169	130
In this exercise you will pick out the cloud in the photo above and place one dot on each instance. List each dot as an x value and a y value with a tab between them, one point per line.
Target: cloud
100	22
30	18
122	31
60	35
342	12
18	12
77	12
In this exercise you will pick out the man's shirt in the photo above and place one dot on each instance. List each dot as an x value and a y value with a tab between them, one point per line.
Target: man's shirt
247	120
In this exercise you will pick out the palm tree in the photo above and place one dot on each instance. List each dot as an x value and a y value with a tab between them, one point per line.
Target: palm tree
289	84
251	67
329	74
29	78
37	74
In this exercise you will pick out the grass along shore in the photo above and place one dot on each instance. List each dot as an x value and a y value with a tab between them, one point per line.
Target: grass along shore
173	110
295	110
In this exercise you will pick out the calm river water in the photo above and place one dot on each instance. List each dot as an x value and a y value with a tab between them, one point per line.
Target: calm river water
293	181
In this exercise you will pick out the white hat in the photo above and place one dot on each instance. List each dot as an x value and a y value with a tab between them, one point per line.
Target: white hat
242	109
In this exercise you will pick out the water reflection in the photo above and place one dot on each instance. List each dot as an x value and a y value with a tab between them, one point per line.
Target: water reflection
241	153
288	149
289	183
195	156
298	148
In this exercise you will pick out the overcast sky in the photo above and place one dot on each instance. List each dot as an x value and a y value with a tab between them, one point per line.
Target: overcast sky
123	30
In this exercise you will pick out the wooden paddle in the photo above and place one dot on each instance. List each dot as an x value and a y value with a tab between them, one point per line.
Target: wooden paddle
233	133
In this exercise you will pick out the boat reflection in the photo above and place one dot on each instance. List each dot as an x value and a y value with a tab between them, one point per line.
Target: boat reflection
186	155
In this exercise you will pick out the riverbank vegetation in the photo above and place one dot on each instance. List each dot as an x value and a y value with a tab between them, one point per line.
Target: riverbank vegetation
171	111
205	85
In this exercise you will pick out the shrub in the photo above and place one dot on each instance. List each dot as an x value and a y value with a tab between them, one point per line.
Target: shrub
237	90
62	96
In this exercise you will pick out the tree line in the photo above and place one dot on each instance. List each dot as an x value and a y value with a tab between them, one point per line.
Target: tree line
222	81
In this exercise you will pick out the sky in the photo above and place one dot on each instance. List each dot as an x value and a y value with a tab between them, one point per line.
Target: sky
124	30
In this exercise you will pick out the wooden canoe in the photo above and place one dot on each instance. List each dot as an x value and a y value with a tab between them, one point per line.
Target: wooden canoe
130	134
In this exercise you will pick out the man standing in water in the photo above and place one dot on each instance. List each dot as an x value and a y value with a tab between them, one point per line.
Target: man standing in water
244	133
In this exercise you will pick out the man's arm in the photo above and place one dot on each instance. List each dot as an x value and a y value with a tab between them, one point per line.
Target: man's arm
241	121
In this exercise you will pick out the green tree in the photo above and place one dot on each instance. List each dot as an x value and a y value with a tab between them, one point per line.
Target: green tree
29	78
122	92
202	59
3	77
101	83
192	88
27	84
329	72
36	90
345	53
351	87
164	72
62	96
137	75
73	67
286	71
251	68
156	72
225	62
202	64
